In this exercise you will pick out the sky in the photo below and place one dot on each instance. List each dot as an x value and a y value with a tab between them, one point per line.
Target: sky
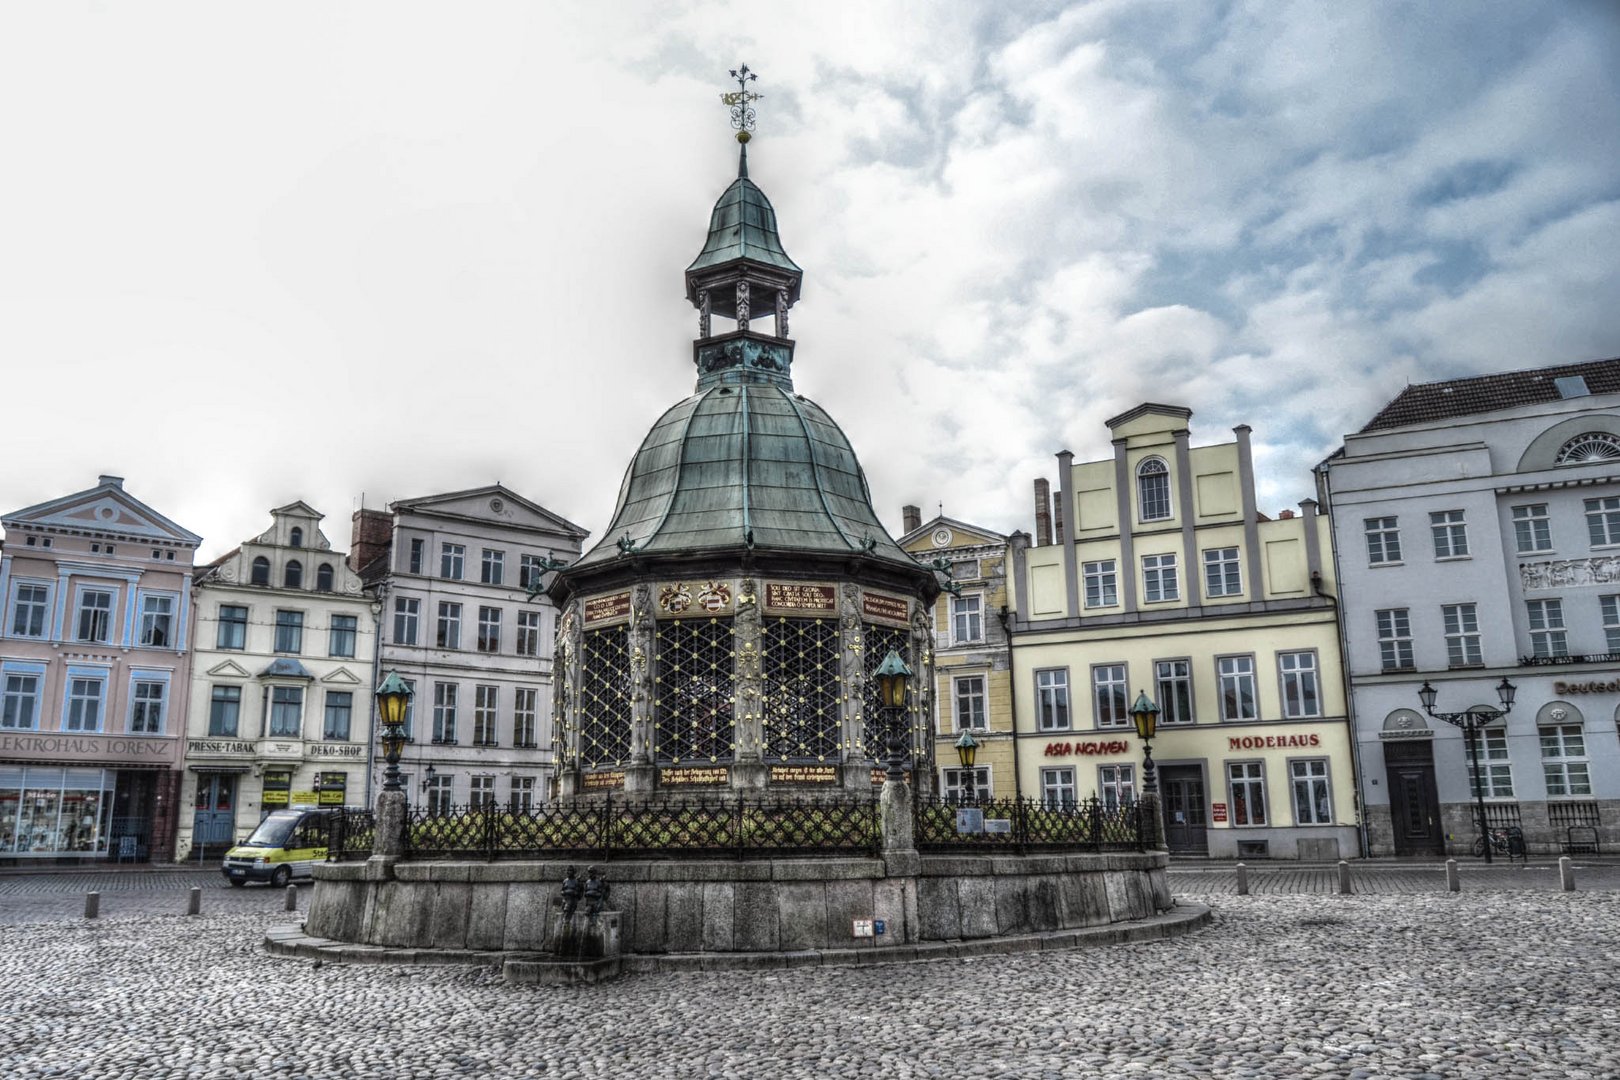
254	253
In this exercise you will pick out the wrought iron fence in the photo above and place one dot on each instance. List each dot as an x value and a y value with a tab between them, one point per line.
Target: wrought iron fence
1089	825
350	834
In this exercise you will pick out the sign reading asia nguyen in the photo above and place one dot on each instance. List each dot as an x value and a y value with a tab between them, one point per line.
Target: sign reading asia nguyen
783	596
90	747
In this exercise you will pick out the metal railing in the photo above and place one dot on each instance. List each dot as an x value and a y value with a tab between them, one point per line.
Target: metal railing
1086	825
350	834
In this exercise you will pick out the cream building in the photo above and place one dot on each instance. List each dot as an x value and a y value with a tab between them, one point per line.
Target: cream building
1155	572
285	641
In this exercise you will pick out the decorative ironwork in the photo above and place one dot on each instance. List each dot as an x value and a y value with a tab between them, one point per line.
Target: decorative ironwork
800	706
694	696
741	102
1089	824
604	697
1561	815
743	310
876	641
351	834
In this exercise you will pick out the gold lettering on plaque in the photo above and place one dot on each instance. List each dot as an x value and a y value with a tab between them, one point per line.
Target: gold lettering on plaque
804	774
800	597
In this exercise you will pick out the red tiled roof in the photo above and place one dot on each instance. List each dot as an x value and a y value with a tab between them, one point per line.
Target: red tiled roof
1487	393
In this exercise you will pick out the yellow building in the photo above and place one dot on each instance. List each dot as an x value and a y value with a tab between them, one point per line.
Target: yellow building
973	690
1155	573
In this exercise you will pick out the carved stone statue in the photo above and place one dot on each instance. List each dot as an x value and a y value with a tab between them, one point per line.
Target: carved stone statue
596	892
570	893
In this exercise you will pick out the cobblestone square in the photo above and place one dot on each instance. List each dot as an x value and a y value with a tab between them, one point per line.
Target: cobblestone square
1489	983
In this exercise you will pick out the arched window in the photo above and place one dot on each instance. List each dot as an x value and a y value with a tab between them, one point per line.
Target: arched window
297	539
1153	489
1589	449
294	576
323	578
261	571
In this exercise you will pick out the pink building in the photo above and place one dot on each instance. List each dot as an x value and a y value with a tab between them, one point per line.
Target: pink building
94	675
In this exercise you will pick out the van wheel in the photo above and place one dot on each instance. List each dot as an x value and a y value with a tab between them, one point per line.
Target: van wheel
236	883
282	875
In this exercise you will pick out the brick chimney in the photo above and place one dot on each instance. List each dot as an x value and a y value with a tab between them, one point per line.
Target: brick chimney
369	536
1043	513
1057	522
912	517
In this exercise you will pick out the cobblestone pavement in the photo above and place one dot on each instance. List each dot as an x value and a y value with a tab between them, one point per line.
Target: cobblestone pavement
1385	878
1358	987
38	897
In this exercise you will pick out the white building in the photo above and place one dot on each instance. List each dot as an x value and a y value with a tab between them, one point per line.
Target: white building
1478	534
284	645
454	573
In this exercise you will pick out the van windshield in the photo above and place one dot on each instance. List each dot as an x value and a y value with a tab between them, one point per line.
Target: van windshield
274	830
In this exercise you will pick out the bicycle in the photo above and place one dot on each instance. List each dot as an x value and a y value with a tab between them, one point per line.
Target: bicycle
1507	842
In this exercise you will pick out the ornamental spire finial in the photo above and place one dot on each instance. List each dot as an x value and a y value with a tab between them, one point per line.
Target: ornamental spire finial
741	102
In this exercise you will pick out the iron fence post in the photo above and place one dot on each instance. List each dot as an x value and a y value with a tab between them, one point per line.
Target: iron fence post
607	825
742	843
489	832
1094	816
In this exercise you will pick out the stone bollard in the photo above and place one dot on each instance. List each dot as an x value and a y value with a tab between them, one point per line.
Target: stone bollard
1453	879
292	898
194	901
92	905
1566	873
1344	878
1243	880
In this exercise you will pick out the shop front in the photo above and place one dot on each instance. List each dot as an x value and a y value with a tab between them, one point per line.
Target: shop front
80	798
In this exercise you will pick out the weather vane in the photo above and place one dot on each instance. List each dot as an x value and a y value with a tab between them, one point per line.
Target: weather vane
741	102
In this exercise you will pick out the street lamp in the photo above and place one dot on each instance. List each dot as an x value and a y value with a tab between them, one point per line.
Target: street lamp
1472	721
892	676
967	750
427	776
393	699
1145	715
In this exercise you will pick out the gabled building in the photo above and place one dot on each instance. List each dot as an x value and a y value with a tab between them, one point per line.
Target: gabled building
1156	573
95	674
282	675
453	574
972	668
1478	524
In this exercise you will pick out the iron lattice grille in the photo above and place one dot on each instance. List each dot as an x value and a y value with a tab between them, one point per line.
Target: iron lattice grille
604	697
876	641
1087	824
694	696
801	689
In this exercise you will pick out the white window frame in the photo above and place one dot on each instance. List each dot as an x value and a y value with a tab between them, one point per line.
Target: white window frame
1463	643
492	567
215	704
521	799
26	694
1449	530
954	790
1058	787
1111	695
142	704
525	716
1532	528
81	609
1223	572
486	714
15	614
1565	769
446	700
157	613
1548	635
407	620
441	792
292	704
417	557
1161	580
967	618
481	791
327	730
526	640
1116	785
1232	674
1249	778
1052	699
1610	608
1101	583
76	703
1173	688
1153	501
447	635
288	630
959	696
452	561
1301	684
236	639
1311	779
1383	540
489	629
1603	521
1497	763
1394	638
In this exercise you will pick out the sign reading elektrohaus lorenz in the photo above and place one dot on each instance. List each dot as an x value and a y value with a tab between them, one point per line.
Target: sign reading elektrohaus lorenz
143	748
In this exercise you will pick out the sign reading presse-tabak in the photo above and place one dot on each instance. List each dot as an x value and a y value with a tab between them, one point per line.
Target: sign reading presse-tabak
796	597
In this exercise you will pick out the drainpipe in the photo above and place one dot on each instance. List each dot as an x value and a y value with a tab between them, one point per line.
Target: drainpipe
1012	702
1356	771
371	691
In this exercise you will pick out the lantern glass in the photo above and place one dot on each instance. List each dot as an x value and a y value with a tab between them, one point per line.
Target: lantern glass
967	749
1427	694
891	676
1506	691
1145	715
393	699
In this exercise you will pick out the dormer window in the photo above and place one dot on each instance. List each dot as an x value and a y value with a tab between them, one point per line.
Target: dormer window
261	571
323	578
1589	449
297	537
1153	489
293	577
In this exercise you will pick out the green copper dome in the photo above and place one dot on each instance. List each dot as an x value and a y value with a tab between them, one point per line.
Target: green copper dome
742	226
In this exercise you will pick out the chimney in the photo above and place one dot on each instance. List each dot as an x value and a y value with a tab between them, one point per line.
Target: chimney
115	481
1043	513
1286	515
1057	522
912	517
369	536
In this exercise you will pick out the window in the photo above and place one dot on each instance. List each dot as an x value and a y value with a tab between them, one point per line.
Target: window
486	711
451	559
1052	699
28	606
1493	755
449	626
1394	638
1462	635
1531	529
286	711
522	794
146	707
1313	804
84	704
1173	679
1057	787
528	633
1116	785
523	716
1159	580
483	791
95	615
342	634
418	547
261	571
439	792
494	567
968	693
296	538
1247	782
232	633
339	712
323	578
1301	692
1587	449
1102	586
956	783
1383	540
19	703
1450	534
1153	489
967	618
1611	621
157	621
489	629
406	612
224	711
1563	761
293	576
1603	521
444	712
530	569
1236	676
1547	637
289	631
1108	695
1222	574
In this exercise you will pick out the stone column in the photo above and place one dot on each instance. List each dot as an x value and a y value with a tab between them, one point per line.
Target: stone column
857	770
742	305
781	314
564	702
388	847
749	771
642	773
900	858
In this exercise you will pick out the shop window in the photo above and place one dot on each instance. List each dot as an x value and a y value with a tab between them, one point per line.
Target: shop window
1246	782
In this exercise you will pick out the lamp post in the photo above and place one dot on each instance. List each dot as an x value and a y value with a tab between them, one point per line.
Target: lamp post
393	698
967	750
892	676
427	776
1145	715
1472	721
